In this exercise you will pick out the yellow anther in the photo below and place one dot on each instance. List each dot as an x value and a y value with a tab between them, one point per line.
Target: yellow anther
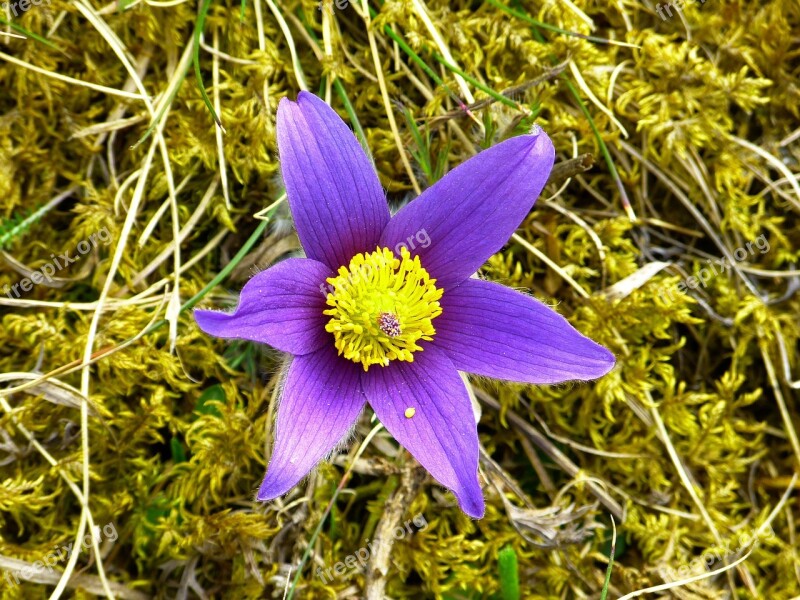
381	306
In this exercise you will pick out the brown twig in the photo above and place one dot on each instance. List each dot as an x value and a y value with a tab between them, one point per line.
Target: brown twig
554	453
569	168
411	479
508	93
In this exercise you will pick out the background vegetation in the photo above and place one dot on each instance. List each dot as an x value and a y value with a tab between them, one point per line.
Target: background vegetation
117	410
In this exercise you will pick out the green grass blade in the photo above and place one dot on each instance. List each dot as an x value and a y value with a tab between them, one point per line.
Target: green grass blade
198	32
422	152
626	204
220	277
30	34
607	581
528	19
351	113
509	573
339	87
418	59
484	88
157	119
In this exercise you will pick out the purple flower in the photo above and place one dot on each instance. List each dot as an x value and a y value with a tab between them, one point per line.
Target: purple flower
384	311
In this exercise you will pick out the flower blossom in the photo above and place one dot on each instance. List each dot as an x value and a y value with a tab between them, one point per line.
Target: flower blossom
375	315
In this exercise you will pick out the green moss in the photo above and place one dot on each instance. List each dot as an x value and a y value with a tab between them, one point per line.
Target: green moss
179	440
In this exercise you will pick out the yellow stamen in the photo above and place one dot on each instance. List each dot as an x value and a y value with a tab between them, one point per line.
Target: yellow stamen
410	412
381	306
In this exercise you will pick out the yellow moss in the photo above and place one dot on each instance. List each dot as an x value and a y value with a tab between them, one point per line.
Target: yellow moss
179	440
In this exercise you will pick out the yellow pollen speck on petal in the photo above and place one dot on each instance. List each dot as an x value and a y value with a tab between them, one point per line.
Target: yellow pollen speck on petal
381	306
410	412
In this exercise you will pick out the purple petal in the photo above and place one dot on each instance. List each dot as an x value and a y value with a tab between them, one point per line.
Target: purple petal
320	403
488	329
281	306
464	218
442	434
337	202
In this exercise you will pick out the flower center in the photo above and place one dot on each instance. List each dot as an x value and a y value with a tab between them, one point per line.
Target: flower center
381	306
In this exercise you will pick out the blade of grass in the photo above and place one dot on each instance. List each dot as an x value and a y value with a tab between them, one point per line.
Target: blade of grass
198	33
528	19
328	509
484	88
626	204
30	34
351	113
607	581
417	59
15	227
422	153
12	35
172	91
339	87
509	573
438	80
264	216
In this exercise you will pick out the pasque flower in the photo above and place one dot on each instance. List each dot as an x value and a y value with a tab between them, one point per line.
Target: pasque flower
396	321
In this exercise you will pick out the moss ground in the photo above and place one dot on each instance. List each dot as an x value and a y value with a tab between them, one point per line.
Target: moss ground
678	250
